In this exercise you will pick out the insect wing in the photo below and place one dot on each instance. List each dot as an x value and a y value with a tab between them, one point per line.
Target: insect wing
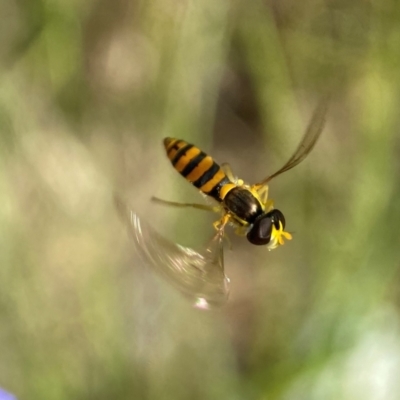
308	141
197	274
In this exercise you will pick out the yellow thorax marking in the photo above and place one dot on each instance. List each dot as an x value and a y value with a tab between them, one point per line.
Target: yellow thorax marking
225	189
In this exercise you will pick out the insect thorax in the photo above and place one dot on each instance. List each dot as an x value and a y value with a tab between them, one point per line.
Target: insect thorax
243	205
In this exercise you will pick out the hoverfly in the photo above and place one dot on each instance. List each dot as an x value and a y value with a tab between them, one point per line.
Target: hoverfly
245	206
200	274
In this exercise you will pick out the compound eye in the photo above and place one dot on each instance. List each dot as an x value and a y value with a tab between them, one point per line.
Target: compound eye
277	216
260	232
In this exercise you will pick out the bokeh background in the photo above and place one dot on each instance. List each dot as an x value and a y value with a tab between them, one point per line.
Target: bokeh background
87	92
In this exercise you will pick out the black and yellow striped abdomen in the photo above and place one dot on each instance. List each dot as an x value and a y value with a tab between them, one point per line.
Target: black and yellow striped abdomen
198	168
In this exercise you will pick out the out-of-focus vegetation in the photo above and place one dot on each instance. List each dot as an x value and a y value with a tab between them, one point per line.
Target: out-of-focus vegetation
87	92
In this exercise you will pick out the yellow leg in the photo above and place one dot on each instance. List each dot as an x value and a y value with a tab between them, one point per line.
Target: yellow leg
193	205
262	191
269	205
241	230
220	224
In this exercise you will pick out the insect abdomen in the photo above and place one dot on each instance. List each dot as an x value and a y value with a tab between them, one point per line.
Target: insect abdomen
196	167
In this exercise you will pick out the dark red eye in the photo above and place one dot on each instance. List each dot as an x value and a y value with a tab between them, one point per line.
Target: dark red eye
261	230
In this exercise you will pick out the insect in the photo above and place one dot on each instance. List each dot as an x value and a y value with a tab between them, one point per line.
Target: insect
199	274
245	206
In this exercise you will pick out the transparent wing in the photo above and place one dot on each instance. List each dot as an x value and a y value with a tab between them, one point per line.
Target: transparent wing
308	141
197	274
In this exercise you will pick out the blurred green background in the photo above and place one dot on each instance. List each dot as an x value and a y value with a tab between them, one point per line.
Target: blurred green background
87	92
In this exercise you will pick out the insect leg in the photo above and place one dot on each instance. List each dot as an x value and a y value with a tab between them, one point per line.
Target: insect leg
262	191
241	230
269	205
193	205
220	224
